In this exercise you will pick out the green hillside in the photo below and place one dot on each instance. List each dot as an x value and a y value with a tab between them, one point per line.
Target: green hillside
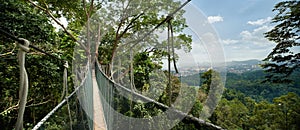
251	84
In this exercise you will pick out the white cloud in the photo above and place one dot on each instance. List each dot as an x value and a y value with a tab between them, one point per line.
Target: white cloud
214	19
250	38
260	21
251	44
229	41
256	36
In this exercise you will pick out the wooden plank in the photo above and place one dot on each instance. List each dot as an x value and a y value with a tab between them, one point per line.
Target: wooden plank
99	120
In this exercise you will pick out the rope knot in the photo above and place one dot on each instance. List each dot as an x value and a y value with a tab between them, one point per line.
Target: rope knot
24	47
66	65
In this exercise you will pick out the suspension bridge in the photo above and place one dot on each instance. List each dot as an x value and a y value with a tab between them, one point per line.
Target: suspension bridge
100	98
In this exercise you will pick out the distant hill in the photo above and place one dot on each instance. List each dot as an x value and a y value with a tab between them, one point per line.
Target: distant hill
246	62
250	84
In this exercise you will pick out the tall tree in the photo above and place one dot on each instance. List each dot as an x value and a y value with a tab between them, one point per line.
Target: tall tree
209	92
230	114
285	57
128	22
289	111
111	23
45	74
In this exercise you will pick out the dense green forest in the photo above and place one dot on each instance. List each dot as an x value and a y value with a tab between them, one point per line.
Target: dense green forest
248	103
251	84
260	99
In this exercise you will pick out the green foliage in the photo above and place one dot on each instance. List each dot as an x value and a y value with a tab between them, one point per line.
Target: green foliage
249	104
45	74
127	22
285	57
264	116
283	113
288	106
230	114
250	84
143	66
65	46
106	48
196	109
63	8
21	20
18	18
207	76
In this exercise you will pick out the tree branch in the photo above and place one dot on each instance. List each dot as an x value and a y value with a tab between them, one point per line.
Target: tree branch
9	52
56	21
130	24
41	103
118	37
84	7
17	106
10	108
91	8
125	10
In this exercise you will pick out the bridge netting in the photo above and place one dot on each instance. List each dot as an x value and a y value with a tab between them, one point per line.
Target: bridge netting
73	112
122	108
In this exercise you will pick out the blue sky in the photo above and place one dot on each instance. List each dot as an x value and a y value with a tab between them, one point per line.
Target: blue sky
240	25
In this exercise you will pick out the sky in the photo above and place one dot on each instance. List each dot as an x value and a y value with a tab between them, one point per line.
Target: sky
240	25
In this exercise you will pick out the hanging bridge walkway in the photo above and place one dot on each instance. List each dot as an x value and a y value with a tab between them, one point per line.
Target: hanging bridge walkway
99	120
98	96
100	99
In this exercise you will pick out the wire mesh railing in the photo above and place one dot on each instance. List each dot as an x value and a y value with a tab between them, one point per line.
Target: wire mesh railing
125	109
80	103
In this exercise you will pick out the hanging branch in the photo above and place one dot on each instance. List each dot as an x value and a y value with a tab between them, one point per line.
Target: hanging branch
169	17
15	107
84	7
91	8
11	52
9	35
172	45
119	36
48	12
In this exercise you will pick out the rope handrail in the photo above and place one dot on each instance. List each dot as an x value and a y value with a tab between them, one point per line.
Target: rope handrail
147	99
65	100
31	46
23	90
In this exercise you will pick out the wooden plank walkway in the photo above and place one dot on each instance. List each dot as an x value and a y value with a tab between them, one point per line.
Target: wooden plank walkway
99	120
